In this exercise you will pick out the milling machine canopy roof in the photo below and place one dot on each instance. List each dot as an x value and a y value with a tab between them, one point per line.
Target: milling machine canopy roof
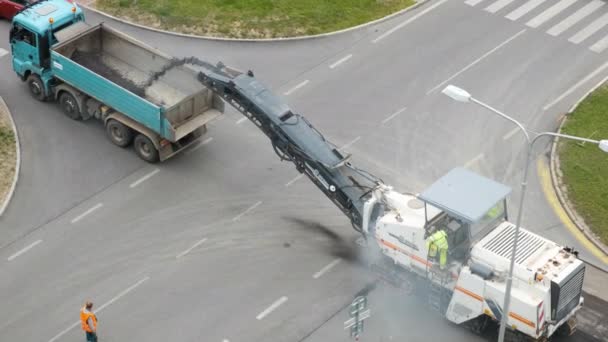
464	194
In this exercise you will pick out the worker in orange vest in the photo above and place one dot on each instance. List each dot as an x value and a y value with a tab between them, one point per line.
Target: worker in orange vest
88	321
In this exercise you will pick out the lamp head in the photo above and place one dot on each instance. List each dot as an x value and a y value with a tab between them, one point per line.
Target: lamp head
604	145
456	93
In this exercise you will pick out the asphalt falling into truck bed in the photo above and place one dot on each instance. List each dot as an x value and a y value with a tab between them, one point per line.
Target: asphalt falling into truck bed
94	62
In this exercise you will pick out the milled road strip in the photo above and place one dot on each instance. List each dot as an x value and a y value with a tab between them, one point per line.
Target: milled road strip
472	64
122	294
271	308
199	145
511	133
144	178
576	86
344	59
24	249
407	22
474	160
3	52
298	86
237	217
392	116
81	216
326	268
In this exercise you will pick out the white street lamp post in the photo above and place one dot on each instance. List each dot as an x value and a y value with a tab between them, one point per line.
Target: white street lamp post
462	95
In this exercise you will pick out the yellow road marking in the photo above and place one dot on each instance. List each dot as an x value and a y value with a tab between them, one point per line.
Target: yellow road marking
547	185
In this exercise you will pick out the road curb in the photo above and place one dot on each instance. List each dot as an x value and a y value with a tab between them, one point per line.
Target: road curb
261	40
560	188
9	196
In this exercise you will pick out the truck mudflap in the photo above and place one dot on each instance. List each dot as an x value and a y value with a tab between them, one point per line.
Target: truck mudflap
167	149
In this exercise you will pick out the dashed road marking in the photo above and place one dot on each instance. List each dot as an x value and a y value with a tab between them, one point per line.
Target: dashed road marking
472	64
81	216
576	86
326	268
498	5
344	59
474	160
240	121
523	9
201	144
550	13
120	295
144	178
575	17
24	249
201	241
350	143
472	2
298	86
407	22
590	29
511	133
271	308
392	116
237	217
294	180
600	45
3	52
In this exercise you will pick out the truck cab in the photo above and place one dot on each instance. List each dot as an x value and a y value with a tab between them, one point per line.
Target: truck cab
33	33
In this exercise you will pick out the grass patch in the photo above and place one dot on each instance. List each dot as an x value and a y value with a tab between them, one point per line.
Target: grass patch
8	154
585	167
252	18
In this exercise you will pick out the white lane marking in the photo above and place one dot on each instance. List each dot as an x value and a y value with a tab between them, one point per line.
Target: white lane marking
144	178
24	249
400	26
510	134
590	29
120	295
237	217
600	45
574	87
225	340
523	9
477	61
575	17
326	268
298	86
550	13
498	5
294	180
240	121
472	2
392	116
344	59
201	144
271	308
350	143
474	160
81	216
3	52
191	248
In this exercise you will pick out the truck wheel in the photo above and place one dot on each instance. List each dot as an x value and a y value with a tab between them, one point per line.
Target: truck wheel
118	133
36	87
145	149
69	105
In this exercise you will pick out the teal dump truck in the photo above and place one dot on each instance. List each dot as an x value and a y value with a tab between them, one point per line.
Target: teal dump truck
99	72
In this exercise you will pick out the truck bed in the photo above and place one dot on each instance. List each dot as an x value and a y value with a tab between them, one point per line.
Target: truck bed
116	69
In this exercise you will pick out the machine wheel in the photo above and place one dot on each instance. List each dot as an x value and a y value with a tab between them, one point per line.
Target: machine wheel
119	134
69	105
515	336
34	83
145	149
479	324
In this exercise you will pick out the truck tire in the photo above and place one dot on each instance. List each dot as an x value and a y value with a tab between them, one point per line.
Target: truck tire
145	149
69	105
34	83
118	133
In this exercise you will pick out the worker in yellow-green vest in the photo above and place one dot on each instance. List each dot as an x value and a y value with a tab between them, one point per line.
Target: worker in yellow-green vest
438	244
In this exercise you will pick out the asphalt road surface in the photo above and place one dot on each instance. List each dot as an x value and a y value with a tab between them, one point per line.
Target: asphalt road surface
225	242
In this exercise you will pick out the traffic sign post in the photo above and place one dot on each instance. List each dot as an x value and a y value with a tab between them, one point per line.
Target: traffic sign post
358	313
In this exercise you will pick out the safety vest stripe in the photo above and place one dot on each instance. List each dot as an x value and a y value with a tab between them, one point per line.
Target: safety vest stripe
523	320
469	293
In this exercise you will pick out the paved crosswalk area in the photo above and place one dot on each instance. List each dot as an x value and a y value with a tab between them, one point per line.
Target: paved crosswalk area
583	22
